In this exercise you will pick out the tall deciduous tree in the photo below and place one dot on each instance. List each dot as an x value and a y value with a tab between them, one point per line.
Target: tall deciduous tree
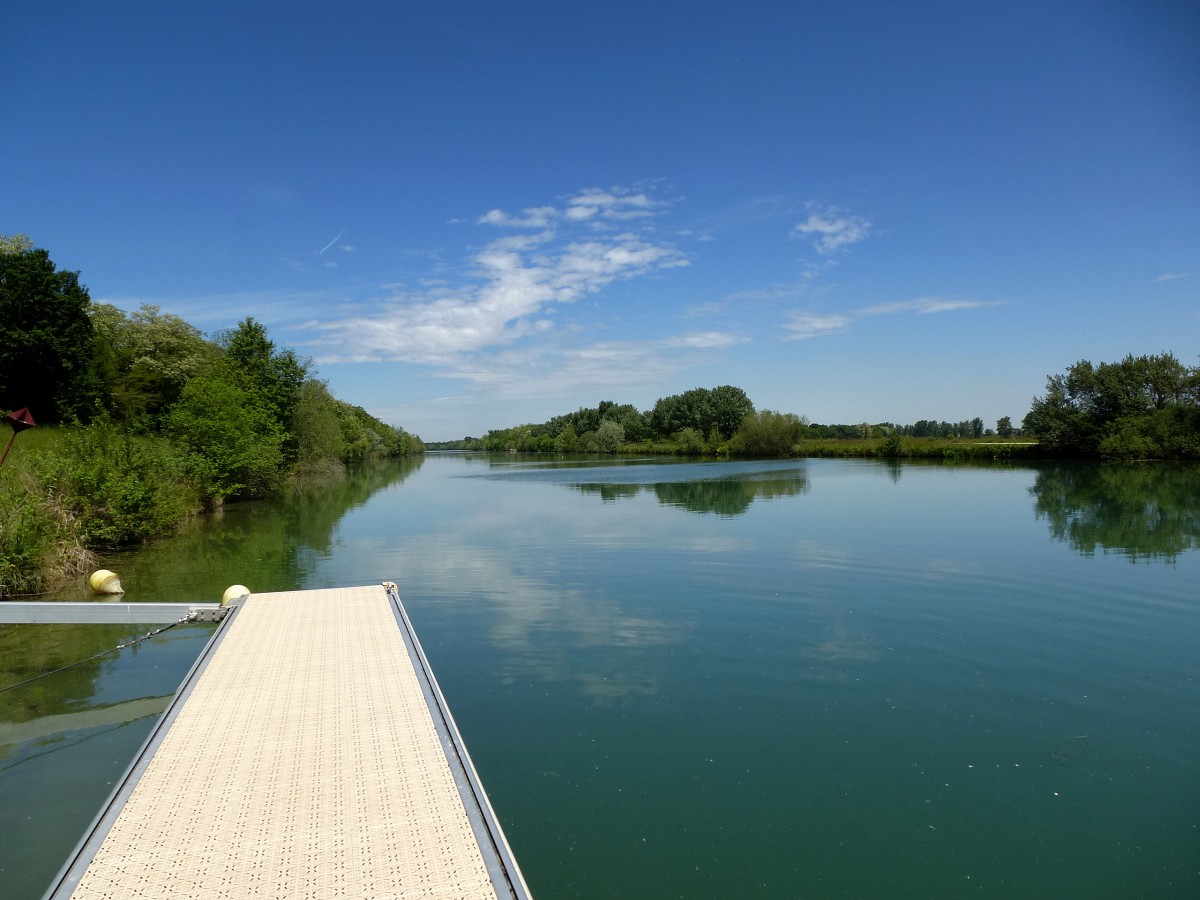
47	348
153	354
274	375
702	410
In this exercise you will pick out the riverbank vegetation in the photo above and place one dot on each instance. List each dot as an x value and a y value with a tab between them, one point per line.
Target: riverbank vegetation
144	421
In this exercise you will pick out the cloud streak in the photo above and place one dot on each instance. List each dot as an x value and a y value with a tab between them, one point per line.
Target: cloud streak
331	243
802	324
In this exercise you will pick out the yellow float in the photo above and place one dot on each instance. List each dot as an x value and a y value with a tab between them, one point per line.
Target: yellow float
103	581
234	592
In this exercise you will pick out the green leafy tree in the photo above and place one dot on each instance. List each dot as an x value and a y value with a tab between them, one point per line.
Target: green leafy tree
17	243
1004	427
1141	407
892	446
609	436
118	488
727	407
152	355
318	427
634	422
366	437
233	442
47	355
275	375
702	410
567	440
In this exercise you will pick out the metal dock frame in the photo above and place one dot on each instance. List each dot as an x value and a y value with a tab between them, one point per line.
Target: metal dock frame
497	858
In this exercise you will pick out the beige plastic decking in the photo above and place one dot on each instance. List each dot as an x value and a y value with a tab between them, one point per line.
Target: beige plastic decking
306	762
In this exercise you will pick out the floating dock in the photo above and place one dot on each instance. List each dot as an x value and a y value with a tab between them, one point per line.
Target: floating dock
308	754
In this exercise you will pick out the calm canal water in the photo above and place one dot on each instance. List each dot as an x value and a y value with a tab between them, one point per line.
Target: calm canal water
814	678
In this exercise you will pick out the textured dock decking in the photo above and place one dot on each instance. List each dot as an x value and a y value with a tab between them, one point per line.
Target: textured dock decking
309	755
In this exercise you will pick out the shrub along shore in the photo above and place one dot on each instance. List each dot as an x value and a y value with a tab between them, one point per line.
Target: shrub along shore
73	491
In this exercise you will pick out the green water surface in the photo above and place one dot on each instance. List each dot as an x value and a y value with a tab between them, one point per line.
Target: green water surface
815	678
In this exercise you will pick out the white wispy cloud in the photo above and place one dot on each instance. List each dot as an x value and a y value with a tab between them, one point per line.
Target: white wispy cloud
927	305
515	283
804	324
705	340
831	229
1173	276
538	217
801	326
595	206
615	204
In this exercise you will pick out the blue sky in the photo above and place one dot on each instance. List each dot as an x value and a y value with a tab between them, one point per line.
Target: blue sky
472	215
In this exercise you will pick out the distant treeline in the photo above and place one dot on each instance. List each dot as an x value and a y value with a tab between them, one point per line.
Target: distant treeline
720	421
923	428
1145	407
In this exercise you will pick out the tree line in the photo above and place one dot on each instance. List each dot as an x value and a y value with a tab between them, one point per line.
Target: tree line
719	421
243	412
1143	407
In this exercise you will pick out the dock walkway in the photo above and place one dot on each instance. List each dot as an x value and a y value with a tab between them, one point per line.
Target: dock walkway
309	754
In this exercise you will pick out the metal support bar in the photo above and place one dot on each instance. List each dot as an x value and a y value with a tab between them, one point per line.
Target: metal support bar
101	613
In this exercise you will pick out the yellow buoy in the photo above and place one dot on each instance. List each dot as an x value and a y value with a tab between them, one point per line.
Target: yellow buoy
234	592
103	581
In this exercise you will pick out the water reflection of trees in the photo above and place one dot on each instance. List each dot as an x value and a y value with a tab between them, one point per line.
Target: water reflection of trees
1143	511
725	496
270	545
27	651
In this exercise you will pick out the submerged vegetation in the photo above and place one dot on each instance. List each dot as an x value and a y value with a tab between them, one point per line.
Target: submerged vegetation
144	421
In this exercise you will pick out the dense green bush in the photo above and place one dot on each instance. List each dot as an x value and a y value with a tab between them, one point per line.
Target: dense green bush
768	433
114	488
37	543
